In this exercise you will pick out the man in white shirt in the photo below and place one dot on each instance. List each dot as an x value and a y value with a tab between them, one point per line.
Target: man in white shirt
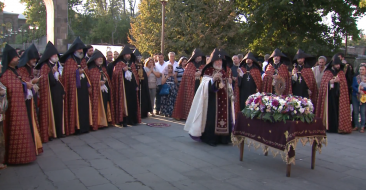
319	70
160	66
171	60
265	62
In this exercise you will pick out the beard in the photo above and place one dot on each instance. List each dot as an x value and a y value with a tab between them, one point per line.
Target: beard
217	67
99	63
54	59
79	55
336	69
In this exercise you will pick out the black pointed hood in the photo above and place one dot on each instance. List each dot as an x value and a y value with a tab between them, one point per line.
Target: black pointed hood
284	59
8	54
30	53
97	54
137	53
76	45
229	62
47	54
125	50
196	53
251	56
335	61
309	62
215	55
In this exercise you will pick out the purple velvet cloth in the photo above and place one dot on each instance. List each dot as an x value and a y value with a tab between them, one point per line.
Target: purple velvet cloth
78	83
25	89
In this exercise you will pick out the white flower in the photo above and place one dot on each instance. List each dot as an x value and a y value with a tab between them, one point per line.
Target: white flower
282	102
257	108
302	110
295	111
298	103
280	108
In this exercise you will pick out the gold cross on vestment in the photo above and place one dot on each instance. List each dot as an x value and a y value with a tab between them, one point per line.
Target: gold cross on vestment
300	79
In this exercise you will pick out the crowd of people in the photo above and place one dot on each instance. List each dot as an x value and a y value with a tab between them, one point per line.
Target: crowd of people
47	96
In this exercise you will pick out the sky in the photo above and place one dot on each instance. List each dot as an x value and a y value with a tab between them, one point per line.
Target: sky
16	7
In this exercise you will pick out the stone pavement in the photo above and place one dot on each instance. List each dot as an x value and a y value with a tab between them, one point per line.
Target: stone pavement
144	158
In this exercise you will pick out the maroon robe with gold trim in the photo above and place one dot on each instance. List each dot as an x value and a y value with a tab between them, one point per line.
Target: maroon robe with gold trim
186	92
344	120
282	72
19	144
69	82
99	116
119	94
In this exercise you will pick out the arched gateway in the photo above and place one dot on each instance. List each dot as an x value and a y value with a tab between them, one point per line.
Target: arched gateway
57	27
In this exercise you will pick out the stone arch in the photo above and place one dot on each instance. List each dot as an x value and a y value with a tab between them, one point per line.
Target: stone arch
57	27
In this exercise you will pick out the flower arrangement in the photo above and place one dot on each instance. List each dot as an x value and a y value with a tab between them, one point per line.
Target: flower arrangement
273	108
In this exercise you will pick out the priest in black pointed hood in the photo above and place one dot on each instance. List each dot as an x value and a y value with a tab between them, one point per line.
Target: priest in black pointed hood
77	86
52	94
189	84
277	74
333	101
128	69
20	146
101	97
249	79
26	65
303	79
144	96
211	115
27	62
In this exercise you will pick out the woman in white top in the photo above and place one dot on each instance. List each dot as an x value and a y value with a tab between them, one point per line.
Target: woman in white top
152	74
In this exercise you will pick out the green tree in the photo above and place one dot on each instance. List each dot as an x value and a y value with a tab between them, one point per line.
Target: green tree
289	25
36	15
190	24
1	31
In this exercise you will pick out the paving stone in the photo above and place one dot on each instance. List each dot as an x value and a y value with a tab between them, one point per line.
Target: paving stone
117	176
218	173
87	153
115	144
50	163
73	141
76	164
36	182
165	173
131	167
131	153
99	146
70	185
60	175
174	164
133	186
90	177
219	185
144	139
67	155
101	164
188	185
107	186
8	176
148	179
13	186
113	154
147	158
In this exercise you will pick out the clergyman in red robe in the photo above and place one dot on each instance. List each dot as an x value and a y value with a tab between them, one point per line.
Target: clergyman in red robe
189	85
19	129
